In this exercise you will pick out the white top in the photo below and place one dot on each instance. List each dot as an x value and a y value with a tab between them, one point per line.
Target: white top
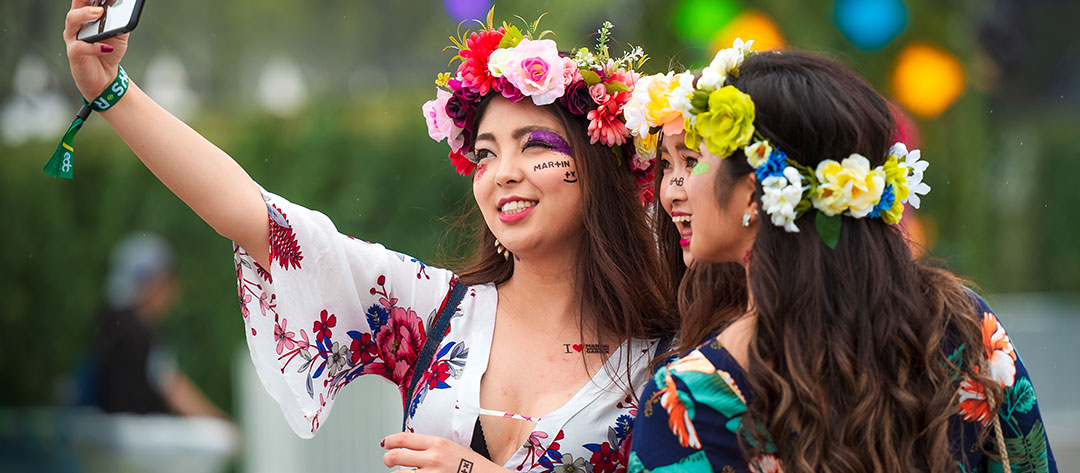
337	307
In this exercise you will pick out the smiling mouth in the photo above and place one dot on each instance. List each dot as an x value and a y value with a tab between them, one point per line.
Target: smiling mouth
516	206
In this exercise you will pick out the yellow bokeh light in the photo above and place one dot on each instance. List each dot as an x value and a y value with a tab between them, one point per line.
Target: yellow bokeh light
927	79
750	25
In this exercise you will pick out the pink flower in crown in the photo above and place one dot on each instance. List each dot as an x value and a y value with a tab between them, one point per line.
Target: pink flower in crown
537	70
605	126
599	94
440	125
571	73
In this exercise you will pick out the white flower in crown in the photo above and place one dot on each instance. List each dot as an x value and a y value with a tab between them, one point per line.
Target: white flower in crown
498	61
916	167
781	195
681	94
758	153
725	62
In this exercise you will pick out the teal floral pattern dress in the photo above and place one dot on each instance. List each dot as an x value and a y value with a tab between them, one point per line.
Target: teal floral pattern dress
690	414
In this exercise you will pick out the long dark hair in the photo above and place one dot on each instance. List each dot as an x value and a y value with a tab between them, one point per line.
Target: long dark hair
618	277
848	363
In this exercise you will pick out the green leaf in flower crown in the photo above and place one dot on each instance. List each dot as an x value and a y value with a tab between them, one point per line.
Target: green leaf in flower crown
615	87
828	228
618	153
511	38
700	100
591	78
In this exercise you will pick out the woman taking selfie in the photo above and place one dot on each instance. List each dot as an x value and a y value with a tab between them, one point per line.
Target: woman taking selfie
850	355
541	338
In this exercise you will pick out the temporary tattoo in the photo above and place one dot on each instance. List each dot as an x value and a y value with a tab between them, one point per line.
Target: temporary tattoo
551	164
465	466
699	169
596	348
588	347
676	181
552	139
571	177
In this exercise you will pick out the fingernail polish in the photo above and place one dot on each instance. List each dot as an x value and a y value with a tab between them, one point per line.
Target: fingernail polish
382	443
106	48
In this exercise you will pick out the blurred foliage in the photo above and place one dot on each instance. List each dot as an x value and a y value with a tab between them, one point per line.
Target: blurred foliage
1002	157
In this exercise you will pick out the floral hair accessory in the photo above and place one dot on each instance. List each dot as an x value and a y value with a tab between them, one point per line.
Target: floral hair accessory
847	188
519	63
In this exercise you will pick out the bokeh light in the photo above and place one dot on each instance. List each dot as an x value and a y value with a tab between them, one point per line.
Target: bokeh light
927	79
750	25
461	10
697	21
870	24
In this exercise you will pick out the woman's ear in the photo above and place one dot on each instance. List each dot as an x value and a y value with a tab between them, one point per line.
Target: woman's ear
748	185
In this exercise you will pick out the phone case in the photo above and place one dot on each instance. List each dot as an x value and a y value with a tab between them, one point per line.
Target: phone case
121	16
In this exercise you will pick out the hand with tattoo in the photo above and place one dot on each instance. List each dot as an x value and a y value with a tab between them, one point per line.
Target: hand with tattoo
431	454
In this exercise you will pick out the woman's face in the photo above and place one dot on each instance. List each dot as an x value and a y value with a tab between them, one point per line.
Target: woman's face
676	161
719	236
526	182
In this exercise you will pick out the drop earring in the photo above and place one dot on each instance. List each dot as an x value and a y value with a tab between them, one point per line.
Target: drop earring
500	249
746	219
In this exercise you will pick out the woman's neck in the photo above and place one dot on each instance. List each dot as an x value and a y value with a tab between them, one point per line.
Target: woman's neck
541	291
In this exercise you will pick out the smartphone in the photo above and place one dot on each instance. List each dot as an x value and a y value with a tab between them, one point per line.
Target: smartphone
120	17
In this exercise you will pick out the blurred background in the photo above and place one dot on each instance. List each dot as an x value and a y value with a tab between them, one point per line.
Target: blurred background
320	102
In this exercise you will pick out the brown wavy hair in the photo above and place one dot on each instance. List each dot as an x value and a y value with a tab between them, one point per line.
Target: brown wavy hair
621	287
847	363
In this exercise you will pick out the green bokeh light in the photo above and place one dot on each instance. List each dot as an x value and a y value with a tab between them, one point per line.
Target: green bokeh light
697	20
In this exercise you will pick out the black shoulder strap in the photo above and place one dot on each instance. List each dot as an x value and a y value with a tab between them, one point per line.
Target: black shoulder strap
435	333
662	345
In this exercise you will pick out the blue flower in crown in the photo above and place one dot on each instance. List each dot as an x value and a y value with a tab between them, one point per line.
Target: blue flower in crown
774	166
888	196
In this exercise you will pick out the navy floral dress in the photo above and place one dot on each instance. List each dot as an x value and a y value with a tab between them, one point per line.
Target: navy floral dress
692	410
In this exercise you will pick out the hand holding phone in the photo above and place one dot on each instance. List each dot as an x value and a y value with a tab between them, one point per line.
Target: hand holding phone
121	16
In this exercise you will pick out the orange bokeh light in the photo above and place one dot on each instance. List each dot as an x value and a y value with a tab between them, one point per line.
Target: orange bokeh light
750	25
927	80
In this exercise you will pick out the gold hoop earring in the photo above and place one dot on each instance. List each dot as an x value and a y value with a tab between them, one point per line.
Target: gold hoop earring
500	249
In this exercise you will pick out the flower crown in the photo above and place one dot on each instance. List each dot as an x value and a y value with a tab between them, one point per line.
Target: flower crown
722	118
518	63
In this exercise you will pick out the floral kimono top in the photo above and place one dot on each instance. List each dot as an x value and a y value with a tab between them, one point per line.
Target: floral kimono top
336	308
692	410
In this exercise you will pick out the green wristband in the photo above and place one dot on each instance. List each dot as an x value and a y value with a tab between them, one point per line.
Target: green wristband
62	163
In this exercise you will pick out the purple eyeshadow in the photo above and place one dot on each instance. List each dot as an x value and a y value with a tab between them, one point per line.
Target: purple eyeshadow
552	139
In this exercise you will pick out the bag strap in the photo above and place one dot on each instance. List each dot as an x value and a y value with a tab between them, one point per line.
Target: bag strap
435	334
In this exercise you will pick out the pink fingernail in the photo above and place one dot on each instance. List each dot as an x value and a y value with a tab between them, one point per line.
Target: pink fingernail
106	48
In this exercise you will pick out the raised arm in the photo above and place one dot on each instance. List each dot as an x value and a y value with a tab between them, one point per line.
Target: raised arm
199	173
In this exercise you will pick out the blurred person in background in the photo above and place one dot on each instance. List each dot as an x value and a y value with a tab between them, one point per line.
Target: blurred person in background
129	371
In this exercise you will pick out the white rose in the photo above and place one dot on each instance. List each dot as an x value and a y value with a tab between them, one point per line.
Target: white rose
497	61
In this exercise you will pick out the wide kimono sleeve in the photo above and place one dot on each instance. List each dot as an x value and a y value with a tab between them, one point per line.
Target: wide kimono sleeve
331	308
